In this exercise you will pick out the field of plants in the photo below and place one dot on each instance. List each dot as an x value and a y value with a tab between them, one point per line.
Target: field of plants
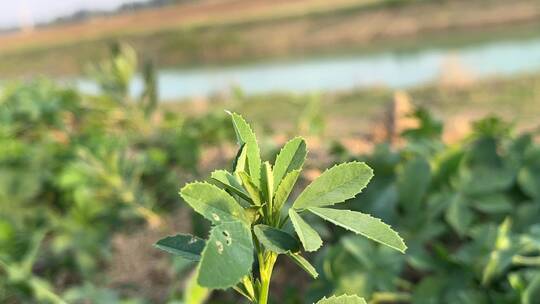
89	194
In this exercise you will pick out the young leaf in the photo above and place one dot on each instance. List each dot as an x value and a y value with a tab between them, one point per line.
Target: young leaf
230	182
194	293
227	257
246	137
304	264
308	236
335	185
343	299
290	158
285	188
251	188
276	240
213	203
186	246
267	182
364	224
240	161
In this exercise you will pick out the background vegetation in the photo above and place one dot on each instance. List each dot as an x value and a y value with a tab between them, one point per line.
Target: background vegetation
89	181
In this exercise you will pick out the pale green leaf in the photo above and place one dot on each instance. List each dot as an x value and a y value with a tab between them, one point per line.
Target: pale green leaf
251	188
290	158
227	257
267	182
186	246
228	181
335	185
285	188
240	161
213	203
195	293
276	240
304	264
246	136
343	299
308	236
364	224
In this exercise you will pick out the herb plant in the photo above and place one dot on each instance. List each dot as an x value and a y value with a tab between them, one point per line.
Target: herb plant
250	212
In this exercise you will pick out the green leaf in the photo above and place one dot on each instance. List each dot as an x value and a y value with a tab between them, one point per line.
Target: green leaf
184	245
276	240
213	203
459	215
304	264
227	257
246	137
195	293
364	224
412	183
285	188
251	188
230	182
267	182
335	185
532	292
308	236
240	161
290	158
343	299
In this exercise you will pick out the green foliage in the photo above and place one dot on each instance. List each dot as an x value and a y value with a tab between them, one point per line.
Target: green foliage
469	211
335	185
85	168
186	246
344	299
248	207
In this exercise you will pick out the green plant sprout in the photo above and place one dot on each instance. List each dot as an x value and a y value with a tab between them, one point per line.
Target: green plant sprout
249	212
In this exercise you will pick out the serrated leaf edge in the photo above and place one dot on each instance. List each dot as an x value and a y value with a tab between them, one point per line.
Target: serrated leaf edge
328	169
347	228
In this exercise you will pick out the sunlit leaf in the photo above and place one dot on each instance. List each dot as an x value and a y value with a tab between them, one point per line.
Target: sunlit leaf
364	224
290	158
343	299
335	185
304	264
227	257
213	203
308	236
246	136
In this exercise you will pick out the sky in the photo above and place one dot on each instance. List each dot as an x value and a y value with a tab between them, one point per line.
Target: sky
15	13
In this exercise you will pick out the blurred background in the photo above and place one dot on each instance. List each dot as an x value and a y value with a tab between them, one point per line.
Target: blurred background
107	107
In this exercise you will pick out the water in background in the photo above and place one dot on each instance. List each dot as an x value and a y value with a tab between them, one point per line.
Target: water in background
390	68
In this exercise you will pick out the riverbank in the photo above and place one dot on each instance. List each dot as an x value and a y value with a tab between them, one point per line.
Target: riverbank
357	114
235	31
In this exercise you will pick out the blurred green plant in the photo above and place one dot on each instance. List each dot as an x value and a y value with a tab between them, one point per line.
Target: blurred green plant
469	212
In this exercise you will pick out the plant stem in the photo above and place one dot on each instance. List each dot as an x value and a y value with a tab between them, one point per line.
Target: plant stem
266	262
